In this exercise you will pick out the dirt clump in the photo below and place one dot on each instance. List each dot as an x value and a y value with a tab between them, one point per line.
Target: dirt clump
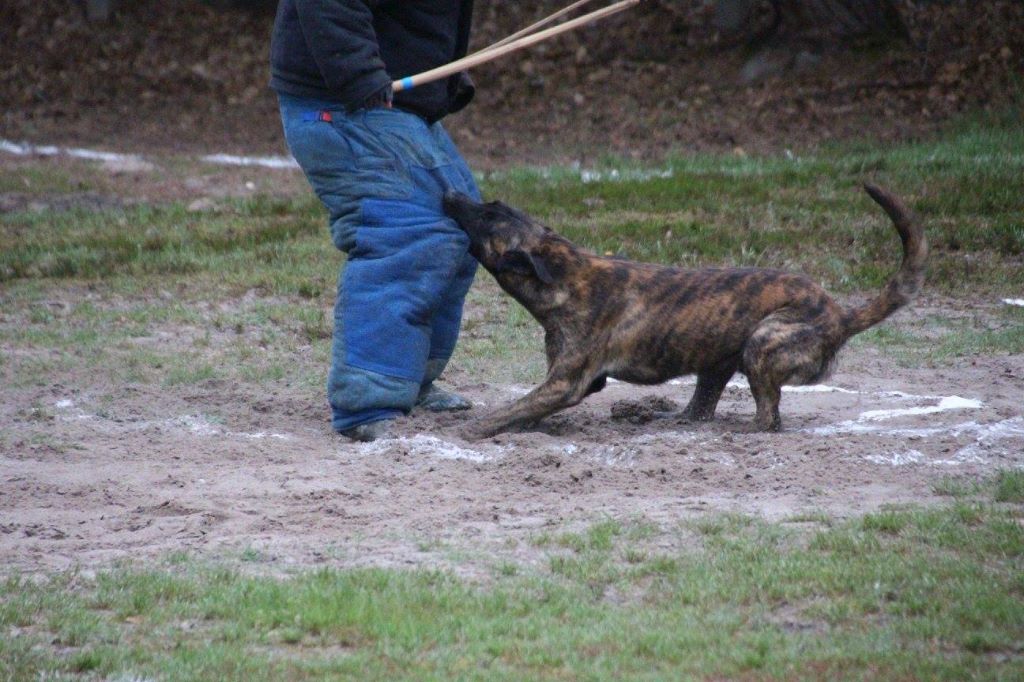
644	410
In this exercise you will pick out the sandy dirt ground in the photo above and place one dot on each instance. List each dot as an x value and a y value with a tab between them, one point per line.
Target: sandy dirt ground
146	473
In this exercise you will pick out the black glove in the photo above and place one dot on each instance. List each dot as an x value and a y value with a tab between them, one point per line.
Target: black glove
380	99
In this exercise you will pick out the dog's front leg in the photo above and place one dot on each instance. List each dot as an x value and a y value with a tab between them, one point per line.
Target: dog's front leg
562	388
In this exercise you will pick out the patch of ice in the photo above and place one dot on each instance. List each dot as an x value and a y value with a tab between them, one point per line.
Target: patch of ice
1014	301
263	161
953	402
422	445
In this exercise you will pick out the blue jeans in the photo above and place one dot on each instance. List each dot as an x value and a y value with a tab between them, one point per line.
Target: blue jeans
382	173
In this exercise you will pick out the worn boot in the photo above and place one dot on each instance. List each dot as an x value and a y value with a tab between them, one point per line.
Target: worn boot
435	399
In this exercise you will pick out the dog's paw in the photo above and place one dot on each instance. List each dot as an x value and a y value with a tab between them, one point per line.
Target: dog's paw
768	425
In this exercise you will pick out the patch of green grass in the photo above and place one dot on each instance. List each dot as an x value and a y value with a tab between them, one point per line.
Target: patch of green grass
249	286
1009	486
944	340
598	537
819	517
186	372
765	211
36	181
161	240
871	598
957	487
889	522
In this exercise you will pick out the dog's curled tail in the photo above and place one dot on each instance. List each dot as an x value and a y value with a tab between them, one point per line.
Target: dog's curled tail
906	282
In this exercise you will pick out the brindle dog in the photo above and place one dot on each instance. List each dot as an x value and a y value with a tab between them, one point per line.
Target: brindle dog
645	324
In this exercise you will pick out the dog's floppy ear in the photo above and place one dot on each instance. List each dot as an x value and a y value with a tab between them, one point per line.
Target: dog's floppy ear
524	263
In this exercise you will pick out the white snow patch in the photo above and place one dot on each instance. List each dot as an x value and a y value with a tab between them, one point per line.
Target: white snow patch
953	402
259	435
615	175
907	396
422	445
263	161
818	388
93	155
613	456
200	426
986	438
672	437
853	427
26	149
196	425
49	150
897	458
64	404
742	383
1014	301
134	162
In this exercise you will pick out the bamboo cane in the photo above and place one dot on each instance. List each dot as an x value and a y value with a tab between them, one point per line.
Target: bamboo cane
487	55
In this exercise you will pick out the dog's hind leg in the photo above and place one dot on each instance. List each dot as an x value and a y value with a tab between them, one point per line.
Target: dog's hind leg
710	384
781	352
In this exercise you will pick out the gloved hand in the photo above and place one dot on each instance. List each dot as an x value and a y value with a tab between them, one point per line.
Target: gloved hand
380	99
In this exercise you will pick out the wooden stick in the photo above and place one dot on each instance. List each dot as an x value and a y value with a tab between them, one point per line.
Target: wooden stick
532	27
491	54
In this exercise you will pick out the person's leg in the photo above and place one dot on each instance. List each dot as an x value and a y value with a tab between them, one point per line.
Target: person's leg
344	172
403	255
447	320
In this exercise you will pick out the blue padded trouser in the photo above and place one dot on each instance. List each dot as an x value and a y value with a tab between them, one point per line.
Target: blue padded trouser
382	173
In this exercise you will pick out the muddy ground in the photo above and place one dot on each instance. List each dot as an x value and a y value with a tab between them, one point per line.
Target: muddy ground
94	473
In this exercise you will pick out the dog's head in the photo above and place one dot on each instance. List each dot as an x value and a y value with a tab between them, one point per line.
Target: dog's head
529	260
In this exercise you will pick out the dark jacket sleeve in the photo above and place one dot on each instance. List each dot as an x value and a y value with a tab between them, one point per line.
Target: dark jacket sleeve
342	40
